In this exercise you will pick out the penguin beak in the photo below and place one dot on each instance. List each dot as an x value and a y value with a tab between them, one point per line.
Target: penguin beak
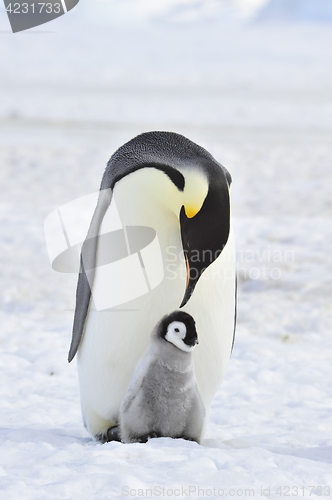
191	342
204	235
190	285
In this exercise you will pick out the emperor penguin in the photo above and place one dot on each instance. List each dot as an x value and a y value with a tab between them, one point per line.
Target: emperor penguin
163	399
168	186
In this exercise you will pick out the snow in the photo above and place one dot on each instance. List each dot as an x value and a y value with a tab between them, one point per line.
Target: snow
257	97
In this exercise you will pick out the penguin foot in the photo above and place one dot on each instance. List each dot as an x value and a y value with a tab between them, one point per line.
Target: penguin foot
112	434
146	437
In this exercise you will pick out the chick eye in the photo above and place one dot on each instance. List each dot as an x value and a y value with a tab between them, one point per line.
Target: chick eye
176	330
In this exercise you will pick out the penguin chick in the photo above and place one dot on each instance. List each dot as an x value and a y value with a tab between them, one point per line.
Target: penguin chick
163	399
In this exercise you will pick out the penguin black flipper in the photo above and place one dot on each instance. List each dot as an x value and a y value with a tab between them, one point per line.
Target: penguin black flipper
88	258
83	295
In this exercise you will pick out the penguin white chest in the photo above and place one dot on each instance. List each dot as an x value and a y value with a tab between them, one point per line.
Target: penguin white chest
115	338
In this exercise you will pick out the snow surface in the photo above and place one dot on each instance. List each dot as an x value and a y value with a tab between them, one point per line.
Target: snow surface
258	97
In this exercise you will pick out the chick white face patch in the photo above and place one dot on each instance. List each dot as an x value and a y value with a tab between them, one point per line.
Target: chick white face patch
176	332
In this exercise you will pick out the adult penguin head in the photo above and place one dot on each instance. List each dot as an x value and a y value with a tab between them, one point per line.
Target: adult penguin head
201	199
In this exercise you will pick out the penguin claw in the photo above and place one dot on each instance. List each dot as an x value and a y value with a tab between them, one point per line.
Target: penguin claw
146	437
112	434
153	435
